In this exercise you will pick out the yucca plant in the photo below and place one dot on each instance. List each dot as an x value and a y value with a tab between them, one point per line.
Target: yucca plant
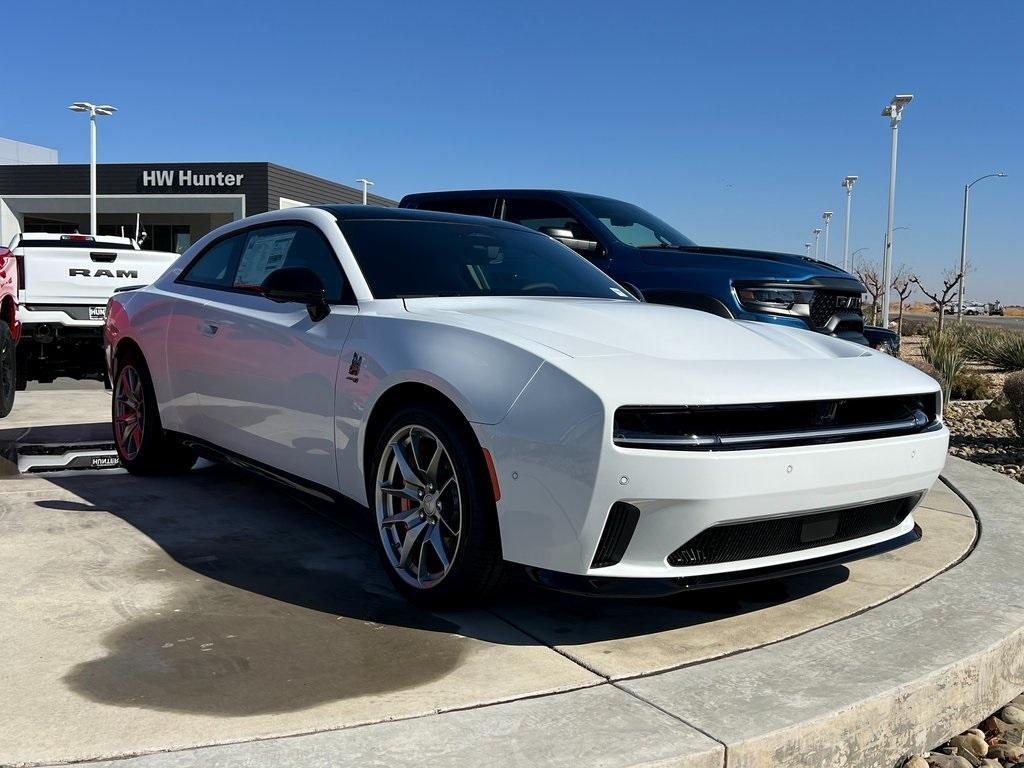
945	354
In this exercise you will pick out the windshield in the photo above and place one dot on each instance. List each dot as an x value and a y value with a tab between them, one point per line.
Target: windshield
406	259
632	225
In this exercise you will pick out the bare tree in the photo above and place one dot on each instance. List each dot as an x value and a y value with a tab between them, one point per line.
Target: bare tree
903	284
950	280
871	276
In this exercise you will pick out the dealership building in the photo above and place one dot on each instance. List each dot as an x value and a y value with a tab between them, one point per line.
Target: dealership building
176	203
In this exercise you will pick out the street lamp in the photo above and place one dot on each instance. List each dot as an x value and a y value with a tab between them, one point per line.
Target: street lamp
894	111
853	257
816	233
366	185
93	110
963	242
827	216
848	183
807	250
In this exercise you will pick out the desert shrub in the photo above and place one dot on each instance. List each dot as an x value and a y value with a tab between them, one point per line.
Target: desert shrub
1013	388
1010	354
944	353
915	327
981	343
971	386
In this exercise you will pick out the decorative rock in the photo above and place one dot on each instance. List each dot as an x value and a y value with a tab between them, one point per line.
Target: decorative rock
1012	714
997	410
1019	701
989	762
916	761
938	760
1006	752
972	741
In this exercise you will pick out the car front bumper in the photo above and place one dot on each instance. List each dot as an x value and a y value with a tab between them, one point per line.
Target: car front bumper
556	496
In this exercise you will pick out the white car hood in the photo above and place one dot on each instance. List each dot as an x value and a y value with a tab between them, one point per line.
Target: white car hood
645	353
583	328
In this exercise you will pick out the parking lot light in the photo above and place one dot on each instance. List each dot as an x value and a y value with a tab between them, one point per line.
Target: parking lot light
816	233
366	185
963	242
848	183
894	111
807	250
827	216
93	110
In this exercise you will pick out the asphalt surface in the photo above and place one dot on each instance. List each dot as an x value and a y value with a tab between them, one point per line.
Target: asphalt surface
1008	323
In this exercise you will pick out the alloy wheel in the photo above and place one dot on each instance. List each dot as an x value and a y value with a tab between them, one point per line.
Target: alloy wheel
418	506
129	412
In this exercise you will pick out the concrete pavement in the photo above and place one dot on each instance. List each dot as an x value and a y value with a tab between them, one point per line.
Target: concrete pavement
217	619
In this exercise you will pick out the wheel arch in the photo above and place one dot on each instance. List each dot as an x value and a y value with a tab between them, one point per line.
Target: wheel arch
9	316
400	396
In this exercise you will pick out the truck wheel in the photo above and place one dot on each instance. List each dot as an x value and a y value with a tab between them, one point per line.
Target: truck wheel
433	506
8	370
143	446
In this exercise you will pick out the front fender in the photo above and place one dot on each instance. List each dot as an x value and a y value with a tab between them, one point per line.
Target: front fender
481	375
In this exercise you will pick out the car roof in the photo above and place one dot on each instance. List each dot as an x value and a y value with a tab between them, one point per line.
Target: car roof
510	192
364	212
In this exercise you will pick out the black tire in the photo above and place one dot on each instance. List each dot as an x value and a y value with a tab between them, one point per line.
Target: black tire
148	449
8	370
475	563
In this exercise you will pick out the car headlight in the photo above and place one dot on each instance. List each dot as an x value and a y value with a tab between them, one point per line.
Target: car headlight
788	300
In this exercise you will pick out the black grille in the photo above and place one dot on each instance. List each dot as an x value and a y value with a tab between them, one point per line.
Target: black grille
754	425
618	530
825	304
776	536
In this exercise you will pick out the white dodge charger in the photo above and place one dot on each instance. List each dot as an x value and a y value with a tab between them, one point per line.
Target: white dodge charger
494	398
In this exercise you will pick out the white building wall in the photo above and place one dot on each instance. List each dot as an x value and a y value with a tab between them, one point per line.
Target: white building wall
19	153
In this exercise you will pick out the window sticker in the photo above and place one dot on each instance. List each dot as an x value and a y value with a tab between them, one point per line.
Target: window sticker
623	294
262	255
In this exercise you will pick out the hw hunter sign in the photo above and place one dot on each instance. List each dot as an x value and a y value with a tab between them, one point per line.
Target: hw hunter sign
185	178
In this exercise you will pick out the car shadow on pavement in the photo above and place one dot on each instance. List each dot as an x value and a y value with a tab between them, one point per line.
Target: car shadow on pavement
257	599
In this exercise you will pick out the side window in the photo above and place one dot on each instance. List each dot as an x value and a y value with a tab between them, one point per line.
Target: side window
470	206
215	267
544	216
270	248
243	261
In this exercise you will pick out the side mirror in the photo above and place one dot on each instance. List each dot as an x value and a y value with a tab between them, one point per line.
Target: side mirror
300	285
586	248
637	294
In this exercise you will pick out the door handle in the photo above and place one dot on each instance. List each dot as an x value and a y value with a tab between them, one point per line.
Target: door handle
207	329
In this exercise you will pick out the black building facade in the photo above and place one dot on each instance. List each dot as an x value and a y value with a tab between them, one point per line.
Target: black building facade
173	203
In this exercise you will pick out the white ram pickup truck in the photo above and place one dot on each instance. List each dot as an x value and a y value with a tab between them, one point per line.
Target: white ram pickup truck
64	282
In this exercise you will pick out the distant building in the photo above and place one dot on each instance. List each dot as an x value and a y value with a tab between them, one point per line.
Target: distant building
176	203
20	153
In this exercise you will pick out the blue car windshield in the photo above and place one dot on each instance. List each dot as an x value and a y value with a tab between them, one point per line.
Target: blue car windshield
632	225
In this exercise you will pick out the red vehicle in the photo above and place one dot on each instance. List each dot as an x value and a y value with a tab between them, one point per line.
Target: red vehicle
10	328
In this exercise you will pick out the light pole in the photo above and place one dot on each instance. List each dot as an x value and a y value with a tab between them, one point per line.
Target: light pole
816	233
963	243
366	185
894	111
853	257
807	250
848	183
93	110
827	216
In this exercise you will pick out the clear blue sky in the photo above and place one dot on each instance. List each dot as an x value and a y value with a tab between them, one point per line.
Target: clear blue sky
733	121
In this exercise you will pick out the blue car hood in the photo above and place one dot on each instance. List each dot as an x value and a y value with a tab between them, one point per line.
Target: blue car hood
741	262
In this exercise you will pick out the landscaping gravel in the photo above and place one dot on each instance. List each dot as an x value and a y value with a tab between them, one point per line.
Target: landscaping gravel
992	443
997	743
